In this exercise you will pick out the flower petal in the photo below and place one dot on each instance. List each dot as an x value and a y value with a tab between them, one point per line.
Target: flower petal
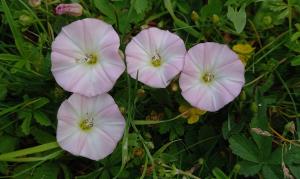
101	139
226	69
155	42
76	42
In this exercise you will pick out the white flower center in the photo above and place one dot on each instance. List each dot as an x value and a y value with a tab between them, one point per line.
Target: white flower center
156	60
89	59
208	77
86	124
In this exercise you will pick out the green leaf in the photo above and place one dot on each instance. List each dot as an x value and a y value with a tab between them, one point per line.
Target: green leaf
244	148
219	174
107	9
272	172
237	17
212	7
46	171
7	143
40	102
260	120
230	127
105	175
295	170
41	118
249	168
295	61
25	126
42	136
275	158
140	6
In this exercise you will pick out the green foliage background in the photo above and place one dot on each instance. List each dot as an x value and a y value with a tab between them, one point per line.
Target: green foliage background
221	145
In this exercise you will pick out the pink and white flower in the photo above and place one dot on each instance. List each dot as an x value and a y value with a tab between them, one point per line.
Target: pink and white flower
85	57
155	57
89	126
212	76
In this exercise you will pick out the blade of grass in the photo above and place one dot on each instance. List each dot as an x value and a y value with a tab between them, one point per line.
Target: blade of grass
19	41
37	164
292	99
186	27
35	159
31	150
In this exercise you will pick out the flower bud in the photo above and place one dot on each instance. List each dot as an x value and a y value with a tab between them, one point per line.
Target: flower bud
122	110
254	107
267	20
243	95
237	168
215	19
141	92
25	20
138	152
201	161
73	9
174	86
34	3
290	127
194	16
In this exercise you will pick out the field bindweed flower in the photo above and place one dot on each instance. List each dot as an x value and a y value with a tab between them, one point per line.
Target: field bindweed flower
212	76
85	57
89	126
155	57
72	9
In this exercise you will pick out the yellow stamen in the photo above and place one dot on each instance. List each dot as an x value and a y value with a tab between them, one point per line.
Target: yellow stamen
156	60
86	124
208	77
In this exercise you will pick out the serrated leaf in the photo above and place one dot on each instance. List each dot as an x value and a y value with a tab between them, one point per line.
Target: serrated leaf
107	9
42	101
212	7
283	14
260	120
295	61
237	17
25	126
105	175
295	170
272	172
230	127
41	118
42	136
244	148
275	158
140	5
249	168
46	171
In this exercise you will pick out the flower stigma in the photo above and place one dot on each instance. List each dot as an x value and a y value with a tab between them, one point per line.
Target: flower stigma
89	59
208	77
86	124
156	60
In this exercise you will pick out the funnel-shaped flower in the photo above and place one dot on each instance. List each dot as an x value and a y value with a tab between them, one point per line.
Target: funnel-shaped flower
212	76
155	57
85	57
89	126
